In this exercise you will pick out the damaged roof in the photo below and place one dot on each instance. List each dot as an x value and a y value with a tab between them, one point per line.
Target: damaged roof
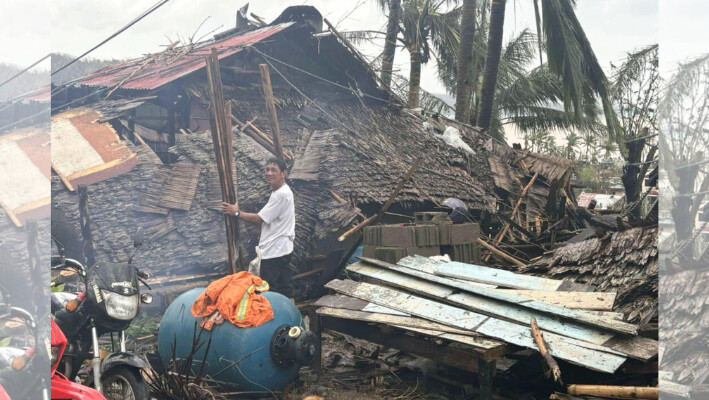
156	70
85	151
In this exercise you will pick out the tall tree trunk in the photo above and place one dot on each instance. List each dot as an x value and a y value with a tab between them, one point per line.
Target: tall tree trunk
414	79
632	181
390	44
463	90
492	63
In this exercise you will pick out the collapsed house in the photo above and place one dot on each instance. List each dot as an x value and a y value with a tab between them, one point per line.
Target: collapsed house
348	143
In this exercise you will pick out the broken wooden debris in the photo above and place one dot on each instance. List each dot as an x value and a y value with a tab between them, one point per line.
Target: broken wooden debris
484	299
575	351
502	301
550	362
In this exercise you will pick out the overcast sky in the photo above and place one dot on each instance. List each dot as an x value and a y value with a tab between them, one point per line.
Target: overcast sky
32	28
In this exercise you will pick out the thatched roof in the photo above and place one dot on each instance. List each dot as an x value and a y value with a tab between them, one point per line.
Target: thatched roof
623	262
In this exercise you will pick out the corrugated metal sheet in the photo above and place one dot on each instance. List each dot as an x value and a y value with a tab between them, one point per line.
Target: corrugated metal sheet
85	151
139	75
24	174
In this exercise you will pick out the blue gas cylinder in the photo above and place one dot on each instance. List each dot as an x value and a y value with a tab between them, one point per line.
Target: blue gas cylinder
237	356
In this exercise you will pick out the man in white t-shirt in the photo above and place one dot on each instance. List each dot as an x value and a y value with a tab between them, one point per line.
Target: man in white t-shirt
277	220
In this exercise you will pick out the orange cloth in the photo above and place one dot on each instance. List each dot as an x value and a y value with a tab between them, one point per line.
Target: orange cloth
235	298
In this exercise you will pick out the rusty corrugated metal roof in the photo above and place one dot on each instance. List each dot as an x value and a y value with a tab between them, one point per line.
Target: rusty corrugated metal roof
144	73
24	174
85	151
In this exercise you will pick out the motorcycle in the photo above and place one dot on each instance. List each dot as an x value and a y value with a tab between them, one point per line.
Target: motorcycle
63	388
109	302
24	359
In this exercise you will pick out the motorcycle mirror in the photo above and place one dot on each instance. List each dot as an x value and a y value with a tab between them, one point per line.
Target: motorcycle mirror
139	237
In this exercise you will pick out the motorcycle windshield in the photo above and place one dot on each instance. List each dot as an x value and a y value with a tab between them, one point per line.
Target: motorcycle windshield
119	278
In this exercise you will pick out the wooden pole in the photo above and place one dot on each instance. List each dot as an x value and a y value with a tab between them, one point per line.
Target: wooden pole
87	247
539	340
385	207
620	392
500	253
271	107
221	139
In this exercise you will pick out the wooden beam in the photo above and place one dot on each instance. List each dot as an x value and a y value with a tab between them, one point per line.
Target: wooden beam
271	107
485	348
500	253
447	354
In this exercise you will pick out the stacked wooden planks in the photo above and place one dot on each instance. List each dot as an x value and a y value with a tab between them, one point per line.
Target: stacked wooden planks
496	305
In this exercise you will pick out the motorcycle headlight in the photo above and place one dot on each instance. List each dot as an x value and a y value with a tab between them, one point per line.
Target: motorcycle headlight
119	306
54	353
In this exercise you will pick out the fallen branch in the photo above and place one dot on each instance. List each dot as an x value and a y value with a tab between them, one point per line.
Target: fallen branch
551	362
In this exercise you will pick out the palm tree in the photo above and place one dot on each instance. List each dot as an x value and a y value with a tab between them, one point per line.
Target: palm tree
424	25
569	55
525	98
634	93
492	63
391	35
572	140
464	83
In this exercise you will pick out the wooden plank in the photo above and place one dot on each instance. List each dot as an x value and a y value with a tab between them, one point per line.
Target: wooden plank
636	347
503	300
601	301
480	304
574	351
492	276
484	347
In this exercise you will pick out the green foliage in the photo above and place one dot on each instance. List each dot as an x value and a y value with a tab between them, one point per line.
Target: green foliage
588	176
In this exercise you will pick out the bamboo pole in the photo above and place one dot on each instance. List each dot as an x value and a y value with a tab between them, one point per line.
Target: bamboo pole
619	392
500	253
386	205
271	107
539	340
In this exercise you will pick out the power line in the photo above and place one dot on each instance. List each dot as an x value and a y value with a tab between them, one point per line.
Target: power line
141	16
24	70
